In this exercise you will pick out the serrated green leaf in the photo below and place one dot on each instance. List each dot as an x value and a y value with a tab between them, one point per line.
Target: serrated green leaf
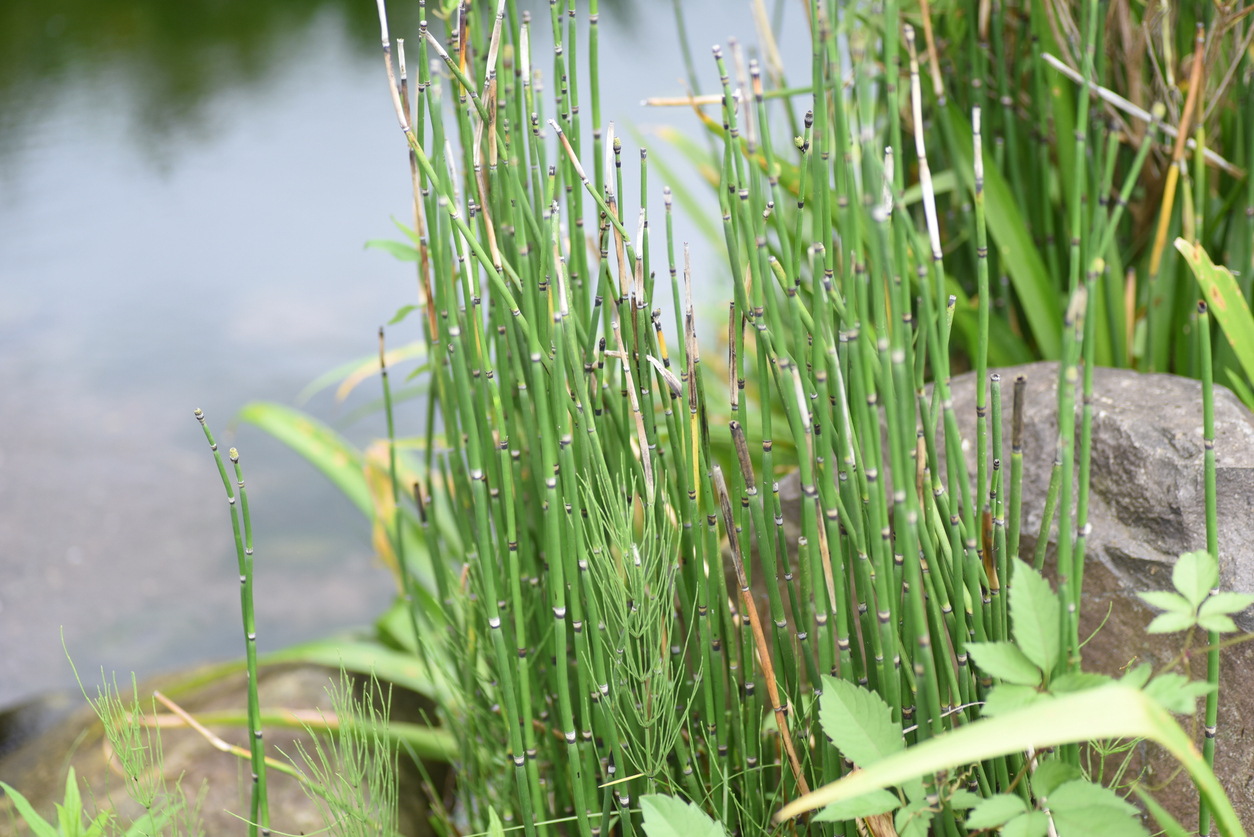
1004	661
1031	824
1195	575
1075	681
1051	774
1226	302
1113	711
1008	697
401	313
37	824
1177	693
1034	615
1167	623
963	799
1168	601
1170	825
878	802
1081	809
1138	677
667	816
858	722
1218	622
995	811
397	249
913	820
1226	602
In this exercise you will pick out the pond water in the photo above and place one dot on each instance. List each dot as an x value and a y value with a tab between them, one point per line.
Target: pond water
185	190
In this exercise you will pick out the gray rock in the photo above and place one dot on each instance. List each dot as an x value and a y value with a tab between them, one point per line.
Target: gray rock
1146	507
1146	501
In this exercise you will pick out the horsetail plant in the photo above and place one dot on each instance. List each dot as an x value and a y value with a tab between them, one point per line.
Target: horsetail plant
610	621
259	811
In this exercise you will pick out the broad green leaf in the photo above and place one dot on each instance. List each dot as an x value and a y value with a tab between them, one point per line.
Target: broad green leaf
1139	676
1177	693
1113	711
1031	824
1035	616
1008	697
401	313
37	824
1195	575
495	829
1004	661
1014	243
1168	601
877	802
398	249
1051	774
996	810
360	657
858	721
1167	623
963	799
1170	825
1081	808
1226	302
913	820
667	816
325	449
1074	681
1226	603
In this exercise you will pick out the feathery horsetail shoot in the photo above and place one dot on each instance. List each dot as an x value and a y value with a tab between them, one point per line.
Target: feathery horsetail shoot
616	604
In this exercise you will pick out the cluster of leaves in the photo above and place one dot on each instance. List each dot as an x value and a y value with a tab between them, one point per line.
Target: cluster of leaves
1196	602
1026	671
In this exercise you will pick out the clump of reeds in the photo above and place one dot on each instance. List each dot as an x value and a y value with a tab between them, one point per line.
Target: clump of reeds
589	471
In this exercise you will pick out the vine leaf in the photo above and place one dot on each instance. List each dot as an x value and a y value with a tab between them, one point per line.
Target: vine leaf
667	816
1005	661
1035	616
858	722
995	811
868	805
1081	808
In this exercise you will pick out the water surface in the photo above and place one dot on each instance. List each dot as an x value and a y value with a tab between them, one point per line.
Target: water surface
185	190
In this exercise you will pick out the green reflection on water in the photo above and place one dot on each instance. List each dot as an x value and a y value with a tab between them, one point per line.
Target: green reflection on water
175	56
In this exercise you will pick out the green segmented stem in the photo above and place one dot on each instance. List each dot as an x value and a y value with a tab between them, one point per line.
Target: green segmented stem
260	807
1212	546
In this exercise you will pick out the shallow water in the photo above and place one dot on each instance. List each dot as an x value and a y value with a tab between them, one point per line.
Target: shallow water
183	204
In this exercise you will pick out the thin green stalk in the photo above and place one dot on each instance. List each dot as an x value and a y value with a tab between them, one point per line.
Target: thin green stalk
1212	546
260	806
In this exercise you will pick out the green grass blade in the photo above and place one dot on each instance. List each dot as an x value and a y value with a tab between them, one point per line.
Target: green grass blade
325	449
1223	295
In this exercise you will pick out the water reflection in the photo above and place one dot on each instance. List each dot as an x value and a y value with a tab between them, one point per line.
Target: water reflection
184	193
175	59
